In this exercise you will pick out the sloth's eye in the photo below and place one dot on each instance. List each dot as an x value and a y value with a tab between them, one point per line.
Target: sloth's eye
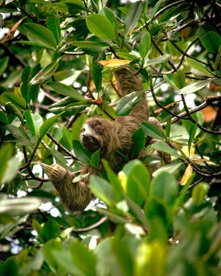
82	129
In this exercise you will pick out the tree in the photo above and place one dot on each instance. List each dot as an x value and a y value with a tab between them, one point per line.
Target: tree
56	64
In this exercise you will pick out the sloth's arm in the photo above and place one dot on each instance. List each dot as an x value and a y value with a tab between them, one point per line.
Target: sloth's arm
127	82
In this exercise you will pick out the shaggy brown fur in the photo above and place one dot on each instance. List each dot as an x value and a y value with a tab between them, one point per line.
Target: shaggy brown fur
114	138
111	137
75	196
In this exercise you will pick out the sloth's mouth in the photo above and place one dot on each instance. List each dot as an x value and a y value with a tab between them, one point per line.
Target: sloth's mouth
90	143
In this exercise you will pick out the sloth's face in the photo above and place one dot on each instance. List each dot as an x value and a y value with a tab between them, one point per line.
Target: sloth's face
92	134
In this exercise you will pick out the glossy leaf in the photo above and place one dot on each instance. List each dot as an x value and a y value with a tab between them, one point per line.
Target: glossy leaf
47	125
139	141
13	98
164	148
145	44
136	181
100	26
126	103
165	187
45	73
103	190
133	16
152	130
53	24
41	35
19	206
194	87
209	38
66	91
34	122
199	66
95	159
199	192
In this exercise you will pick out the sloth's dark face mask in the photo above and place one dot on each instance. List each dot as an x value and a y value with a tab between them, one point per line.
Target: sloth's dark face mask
90	143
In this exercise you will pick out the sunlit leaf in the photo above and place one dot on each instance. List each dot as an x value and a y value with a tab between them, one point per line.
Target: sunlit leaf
199	66
194	87
103	190
126	103
47	125
133	16
164	148
187	175
13	98
113	63
45	73
19	206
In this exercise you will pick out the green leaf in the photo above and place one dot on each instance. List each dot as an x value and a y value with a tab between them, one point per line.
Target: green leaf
192	133
126	103
12	109
14	99
199	66
100	26
45	73
209	38
34	122
82	154
114	257
165	187
133	16
136	181
148	257
9	267
113	179
83	258
5	154
157	60
199	192
48	250
179	79
103	190
47	125
3	64
152	131
164	148
3	118
89	44
11	169
20	134
19	206
97	75
65	90
41	35
139	141
95	159
50	230
194	87
53	24
145	44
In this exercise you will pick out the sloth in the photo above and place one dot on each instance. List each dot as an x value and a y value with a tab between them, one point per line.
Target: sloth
114	138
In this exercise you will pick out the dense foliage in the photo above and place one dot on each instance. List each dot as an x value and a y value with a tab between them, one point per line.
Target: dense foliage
51	80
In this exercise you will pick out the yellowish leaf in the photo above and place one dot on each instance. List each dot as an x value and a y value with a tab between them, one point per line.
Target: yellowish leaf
186	176
12	31
114	63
